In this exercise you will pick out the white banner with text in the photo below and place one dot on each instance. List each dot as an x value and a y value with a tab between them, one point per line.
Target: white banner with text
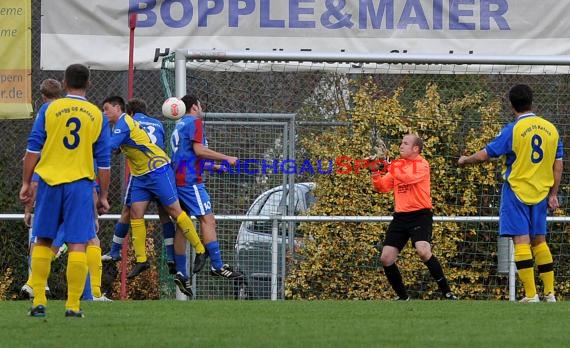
96	32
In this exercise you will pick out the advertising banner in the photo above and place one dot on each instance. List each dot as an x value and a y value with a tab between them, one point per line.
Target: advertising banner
15	59
96	32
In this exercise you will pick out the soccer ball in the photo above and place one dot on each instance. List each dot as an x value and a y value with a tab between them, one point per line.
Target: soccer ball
173	108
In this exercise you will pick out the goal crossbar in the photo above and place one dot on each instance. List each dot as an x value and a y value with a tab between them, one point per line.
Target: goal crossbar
392	58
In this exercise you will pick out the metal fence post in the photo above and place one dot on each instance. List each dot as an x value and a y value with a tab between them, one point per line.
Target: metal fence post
274	252
512	272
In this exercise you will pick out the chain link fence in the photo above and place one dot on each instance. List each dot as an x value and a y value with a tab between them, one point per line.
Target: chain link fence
250	91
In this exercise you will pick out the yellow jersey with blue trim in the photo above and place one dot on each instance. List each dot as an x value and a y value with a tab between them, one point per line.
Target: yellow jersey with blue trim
142	154
530	145
70	134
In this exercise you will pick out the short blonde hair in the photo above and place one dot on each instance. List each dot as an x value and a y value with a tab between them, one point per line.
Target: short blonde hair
50	88
417	141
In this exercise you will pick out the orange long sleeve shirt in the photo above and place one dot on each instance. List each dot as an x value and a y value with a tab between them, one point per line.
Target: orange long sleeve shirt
410	181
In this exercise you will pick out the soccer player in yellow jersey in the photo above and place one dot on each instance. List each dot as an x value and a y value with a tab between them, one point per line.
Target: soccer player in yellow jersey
69	134
532	156
51	90
151	176
137	109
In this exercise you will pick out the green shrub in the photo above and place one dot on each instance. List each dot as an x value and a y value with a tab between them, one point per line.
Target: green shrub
340	260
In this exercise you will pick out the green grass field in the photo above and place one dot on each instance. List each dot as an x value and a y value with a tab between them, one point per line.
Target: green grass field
290	324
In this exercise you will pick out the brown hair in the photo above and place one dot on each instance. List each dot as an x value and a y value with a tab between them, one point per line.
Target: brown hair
135	106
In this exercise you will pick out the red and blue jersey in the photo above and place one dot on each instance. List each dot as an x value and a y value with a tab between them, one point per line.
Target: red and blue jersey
186	164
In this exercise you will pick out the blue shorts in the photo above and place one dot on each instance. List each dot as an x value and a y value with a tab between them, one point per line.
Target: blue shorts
519	219
159	184
65	206
195	200
57	242
127	199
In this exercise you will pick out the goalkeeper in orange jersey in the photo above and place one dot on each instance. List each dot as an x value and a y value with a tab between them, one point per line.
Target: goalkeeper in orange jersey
409	179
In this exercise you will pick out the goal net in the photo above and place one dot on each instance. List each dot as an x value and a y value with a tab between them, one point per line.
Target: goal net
341	106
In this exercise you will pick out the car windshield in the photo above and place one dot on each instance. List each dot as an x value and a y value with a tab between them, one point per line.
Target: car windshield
270	206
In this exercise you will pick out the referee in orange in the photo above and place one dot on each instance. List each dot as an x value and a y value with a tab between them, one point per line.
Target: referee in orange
409	178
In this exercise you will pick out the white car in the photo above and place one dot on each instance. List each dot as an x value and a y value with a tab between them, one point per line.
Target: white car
253	243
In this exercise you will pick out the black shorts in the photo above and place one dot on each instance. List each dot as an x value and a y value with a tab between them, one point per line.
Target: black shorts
416	225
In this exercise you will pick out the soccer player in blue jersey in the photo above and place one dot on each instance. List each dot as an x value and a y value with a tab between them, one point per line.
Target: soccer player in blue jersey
69	133
151	176
137	108
189	146
532	152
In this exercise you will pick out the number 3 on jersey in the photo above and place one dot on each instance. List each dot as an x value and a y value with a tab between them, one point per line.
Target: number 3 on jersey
72	140
537	154
150	130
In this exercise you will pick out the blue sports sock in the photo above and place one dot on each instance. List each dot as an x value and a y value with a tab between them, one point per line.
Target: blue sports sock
168	230
121	231
215	255
180	261
87	294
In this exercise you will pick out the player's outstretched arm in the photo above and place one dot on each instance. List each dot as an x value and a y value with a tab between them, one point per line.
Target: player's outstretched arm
478	157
